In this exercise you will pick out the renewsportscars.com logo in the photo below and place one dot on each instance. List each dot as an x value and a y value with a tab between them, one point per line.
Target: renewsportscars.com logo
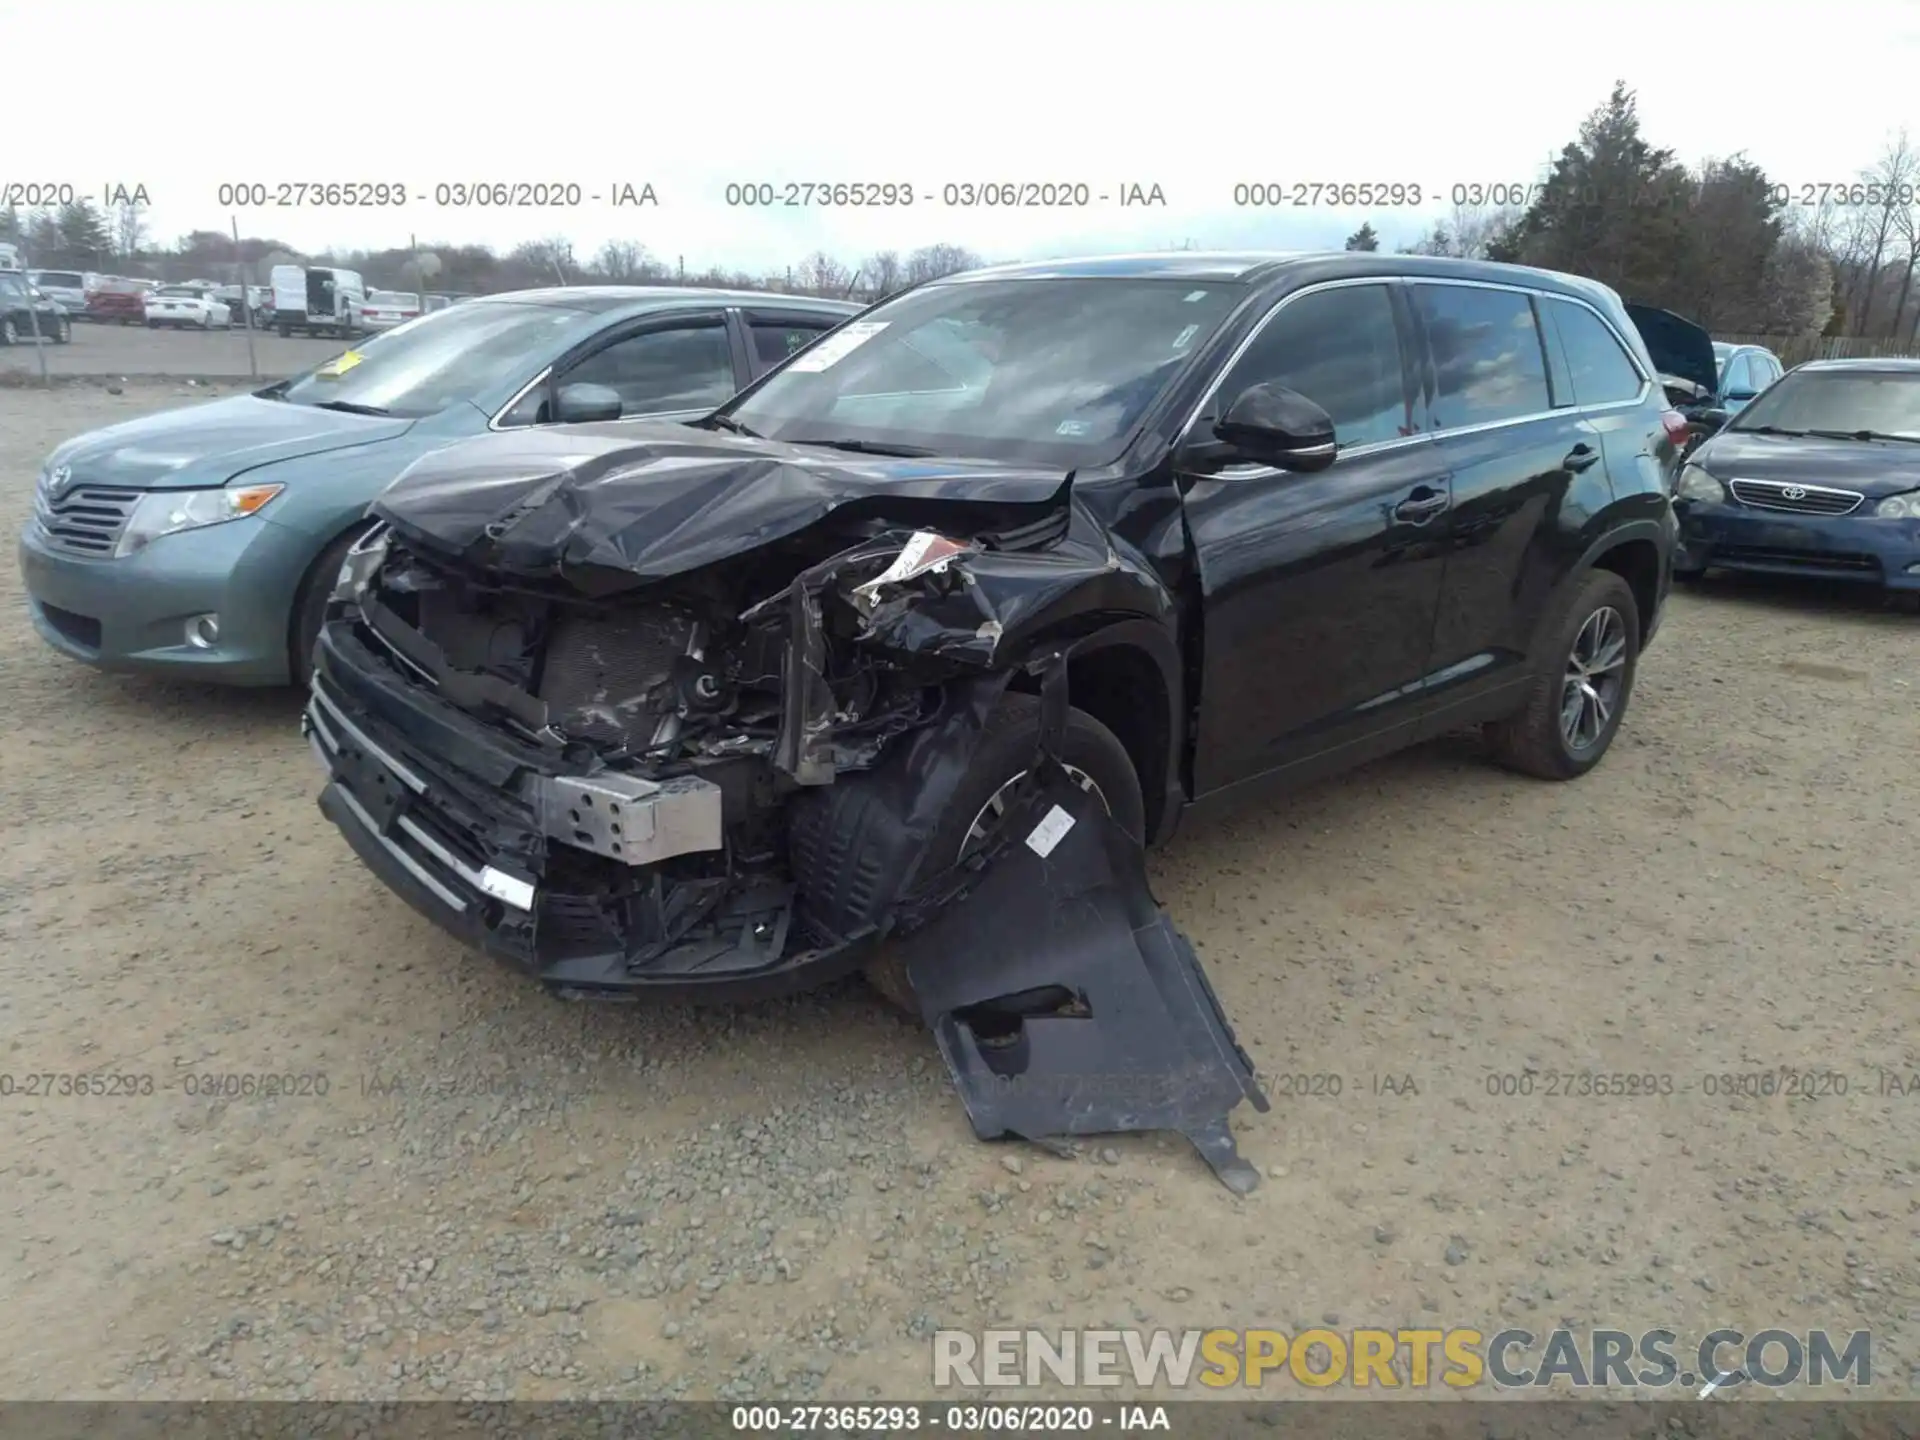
1416	1359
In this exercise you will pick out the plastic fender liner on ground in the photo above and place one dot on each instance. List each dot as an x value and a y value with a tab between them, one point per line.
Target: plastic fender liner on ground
1064	1000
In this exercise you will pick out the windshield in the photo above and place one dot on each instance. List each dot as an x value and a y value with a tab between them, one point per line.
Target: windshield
180	291
1055	372
61	279
394	298
1842	401
425	365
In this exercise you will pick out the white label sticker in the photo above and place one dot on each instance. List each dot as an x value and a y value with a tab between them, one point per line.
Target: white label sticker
925	551
837	346
1196	295
1049	832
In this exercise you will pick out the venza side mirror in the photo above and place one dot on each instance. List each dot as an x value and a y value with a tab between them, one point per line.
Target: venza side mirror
1272	425
583	404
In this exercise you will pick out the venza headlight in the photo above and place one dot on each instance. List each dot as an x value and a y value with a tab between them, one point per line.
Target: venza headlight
164	512
1696	484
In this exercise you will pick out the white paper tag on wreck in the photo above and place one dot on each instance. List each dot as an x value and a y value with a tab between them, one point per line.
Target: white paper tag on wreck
1051	830
925	551
837	346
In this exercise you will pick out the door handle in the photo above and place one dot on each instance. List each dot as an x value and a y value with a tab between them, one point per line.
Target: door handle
1421	506
1581	457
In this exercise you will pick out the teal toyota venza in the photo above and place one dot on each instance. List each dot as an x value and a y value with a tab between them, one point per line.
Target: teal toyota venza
203	542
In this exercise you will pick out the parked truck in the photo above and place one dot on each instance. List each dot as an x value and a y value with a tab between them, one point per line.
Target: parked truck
317	301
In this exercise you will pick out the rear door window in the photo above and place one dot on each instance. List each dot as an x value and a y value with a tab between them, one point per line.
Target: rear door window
1601	371
775	338
1488	361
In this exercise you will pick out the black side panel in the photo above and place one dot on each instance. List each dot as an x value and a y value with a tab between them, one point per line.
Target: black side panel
1064	1000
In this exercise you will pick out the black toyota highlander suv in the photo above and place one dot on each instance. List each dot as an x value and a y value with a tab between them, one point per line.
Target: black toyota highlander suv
732	708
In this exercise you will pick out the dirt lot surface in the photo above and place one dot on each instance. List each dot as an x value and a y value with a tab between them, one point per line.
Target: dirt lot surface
115	350
501	1194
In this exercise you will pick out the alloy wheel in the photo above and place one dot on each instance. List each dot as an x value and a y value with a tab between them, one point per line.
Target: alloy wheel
991	813
1596	675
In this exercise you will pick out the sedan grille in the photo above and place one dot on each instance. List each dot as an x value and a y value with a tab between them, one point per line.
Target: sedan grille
86	520
1796	499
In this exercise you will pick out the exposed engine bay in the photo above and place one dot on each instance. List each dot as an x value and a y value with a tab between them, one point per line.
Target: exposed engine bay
720	778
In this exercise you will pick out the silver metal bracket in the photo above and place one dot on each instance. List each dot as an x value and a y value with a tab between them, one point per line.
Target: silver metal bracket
626	818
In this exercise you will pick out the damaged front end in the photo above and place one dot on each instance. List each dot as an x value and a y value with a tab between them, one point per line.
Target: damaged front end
578	700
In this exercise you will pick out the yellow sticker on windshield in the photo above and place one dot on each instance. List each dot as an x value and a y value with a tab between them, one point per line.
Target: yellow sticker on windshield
340	364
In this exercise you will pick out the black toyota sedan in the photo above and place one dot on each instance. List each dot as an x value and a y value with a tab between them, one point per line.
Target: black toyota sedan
1819	476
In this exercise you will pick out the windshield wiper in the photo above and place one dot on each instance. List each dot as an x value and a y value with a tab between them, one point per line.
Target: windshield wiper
731	426
1864	435
1764	430
870	447
349	407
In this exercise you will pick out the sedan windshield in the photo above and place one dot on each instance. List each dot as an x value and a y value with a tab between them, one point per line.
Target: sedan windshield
422	367
1839	402
1051	371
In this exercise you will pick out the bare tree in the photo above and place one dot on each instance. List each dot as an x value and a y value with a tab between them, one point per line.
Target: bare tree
1467	232
1894	175
930	262
821	274
1907	230
1796	288
129	229
625	261
881	274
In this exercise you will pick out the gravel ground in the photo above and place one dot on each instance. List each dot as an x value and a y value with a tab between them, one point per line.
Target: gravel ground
134	350
499	1194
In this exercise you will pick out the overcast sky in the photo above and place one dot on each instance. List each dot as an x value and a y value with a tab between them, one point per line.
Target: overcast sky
1192	97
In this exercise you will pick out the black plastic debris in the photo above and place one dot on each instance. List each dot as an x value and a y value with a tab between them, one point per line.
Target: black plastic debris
1064	1000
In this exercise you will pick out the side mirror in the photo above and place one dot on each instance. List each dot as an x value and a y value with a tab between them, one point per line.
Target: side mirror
1712	419
585	404
1272	425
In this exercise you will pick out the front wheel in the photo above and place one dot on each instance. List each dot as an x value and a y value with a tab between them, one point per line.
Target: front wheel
1579	693
1091	754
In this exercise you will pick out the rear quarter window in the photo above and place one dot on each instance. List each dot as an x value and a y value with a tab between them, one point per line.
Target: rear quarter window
1601	371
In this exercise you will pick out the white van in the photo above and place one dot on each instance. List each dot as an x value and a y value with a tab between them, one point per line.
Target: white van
318	301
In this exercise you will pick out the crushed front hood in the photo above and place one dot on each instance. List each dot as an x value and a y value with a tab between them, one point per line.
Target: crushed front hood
606	508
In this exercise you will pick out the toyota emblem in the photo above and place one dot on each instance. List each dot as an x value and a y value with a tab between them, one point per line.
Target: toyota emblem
59	479
1793	492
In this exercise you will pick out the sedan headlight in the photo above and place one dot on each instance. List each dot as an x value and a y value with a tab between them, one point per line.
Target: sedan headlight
1904	506
162	512
1696	484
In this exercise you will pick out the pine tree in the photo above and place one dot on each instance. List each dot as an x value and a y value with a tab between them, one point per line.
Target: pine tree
1363	239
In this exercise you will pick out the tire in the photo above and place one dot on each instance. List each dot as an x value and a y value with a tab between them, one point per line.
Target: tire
310	606
63	331
1006	747
153	324
1904	602
1534	740
286	332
